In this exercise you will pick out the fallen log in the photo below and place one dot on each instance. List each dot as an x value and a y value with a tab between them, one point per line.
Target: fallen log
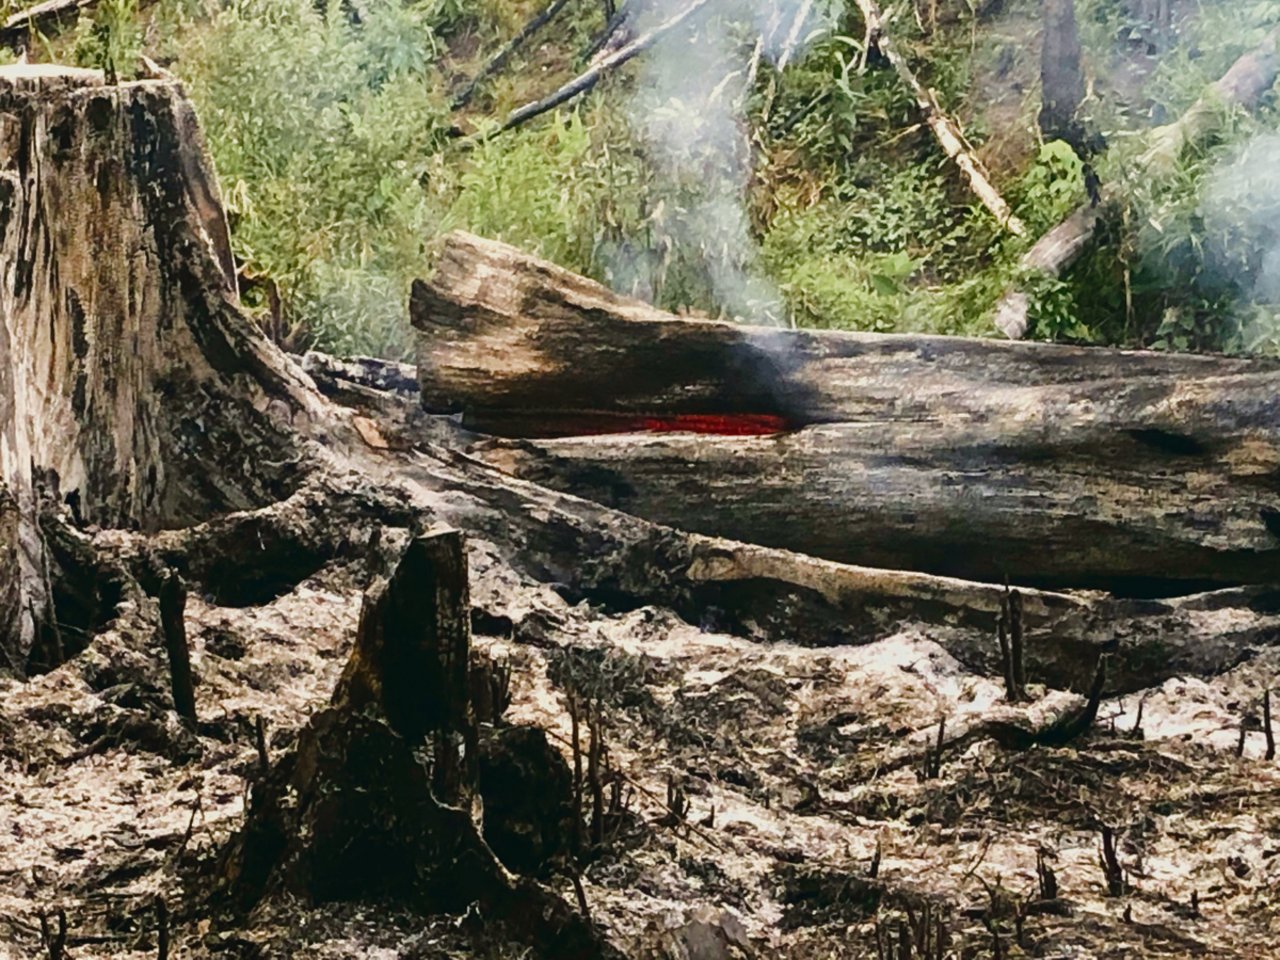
20	28
1055	466
1241	87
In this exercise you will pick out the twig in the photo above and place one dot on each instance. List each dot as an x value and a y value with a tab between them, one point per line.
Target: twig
753	67
1016	645
40	17
575	874
1266	725
1009	629
589	78
594	780
1046	878
162	929
644	791
1117	885
55	943
612	25
933	757
576	747
260	739
499	60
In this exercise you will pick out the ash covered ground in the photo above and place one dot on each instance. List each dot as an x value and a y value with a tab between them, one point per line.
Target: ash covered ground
807	824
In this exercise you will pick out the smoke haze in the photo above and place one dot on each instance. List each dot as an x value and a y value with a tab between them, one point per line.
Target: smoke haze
688	111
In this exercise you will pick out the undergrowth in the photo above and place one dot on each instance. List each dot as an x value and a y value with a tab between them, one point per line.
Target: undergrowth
831	204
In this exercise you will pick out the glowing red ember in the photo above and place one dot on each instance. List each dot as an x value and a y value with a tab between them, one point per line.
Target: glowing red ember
724	424
535	425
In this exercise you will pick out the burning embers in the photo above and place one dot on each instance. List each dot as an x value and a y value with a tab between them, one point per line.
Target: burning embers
544	426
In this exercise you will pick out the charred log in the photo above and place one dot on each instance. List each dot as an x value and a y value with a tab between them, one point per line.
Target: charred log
1059	467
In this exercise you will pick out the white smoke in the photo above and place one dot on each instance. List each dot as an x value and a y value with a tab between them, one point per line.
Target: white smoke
688	109
1240	206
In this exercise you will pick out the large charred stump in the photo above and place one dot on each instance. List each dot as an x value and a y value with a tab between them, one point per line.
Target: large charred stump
122	348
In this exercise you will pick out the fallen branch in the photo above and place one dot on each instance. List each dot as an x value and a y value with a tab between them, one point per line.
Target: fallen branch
19	27
588	79
499	59
945	130
1241	87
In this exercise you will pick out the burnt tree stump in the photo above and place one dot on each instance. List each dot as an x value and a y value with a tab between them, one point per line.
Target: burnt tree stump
354	814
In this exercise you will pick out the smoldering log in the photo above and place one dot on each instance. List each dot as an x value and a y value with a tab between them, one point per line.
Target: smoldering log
1054	466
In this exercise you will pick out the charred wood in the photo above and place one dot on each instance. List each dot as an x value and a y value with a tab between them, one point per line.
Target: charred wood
173	602
1056	466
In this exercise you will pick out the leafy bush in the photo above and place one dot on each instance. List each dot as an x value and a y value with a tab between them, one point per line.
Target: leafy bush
327	139
111	39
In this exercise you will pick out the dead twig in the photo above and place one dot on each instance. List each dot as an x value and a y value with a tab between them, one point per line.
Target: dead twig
677	804
173	602
589	78
55	942
576	747
260	741
499	59
933	756
1266	726
594	780
639	788
1046	879
1009	631
1117	883
162	929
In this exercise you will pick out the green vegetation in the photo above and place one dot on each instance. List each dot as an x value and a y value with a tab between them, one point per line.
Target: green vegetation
341	167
